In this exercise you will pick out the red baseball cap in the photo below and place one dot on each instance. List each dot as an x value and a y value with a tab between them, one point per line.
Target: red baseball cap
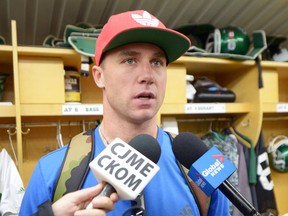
136	27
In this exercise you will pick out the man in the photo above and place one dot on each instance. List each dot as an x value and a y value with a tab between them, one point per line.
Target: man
132	54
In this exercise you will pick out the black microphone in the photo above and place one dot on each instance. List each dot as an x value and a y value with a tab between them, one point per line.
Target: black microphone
127	168
188	148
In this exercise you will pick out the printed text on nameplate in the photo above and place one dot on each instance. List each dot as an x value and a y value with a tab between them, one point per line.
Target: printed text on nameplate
282	107
82	109
205	108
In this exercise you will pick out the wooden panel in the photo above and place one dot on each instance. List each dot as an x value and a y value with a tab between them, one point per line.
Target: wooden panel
270	91
281	190
283	84
68	56
34	148
41	80
247	89
176	84
90	93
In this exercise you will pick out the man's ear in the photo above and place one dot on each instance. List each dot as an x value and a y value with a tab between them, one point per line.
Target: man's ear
98	76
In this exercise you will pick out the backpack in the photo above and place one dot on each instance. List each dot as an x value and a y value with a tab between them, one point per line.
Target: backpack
75	168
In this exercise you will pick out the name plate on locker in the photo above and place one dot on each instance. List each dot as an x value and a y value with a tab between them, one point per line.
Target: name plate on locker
205	108
282	107
82	109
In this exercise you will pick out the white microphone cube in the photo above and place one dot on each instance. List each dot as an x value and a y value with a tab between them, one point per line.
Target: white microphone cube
125	168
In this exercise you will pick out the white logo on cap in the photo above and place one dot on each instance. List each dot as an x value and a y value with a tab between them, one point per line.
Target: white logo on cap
146	19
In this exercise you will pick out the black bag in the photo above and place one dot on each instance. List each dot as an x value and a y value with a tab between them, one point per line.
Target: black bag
210	91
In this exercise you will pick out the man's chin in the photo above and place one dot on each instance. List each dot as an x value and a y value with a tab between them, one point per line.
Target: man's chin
142	117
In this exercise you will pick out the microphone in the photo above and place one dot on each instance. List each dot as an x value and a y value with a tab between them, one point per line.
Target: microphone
192	153
127	168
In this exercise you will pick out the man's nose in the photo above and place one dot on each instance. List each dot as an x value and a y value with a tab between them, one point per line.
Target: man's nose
147	74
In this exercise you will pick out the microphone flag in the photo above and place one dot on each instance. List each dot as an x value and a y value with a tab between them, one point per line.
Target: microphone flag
125	168
211	170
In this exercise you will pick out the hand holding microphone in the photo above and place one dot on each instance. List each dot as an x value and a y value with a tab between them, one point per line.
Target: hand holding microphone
192	153
127	168
67	204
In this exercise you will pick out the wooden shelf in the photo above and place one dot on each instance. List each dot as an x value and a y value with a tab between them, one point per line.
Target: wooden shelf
269	107
7	48
6	54
41	109
275	108
273	64
66	109
69	56
199	65
7	111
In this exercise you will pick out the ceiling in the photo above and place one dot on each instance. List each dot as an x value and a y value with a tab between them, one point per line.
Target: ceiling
36	19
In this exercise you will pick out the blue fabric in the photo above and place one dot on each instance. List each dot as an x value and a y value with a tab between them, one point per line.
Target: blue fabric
167	194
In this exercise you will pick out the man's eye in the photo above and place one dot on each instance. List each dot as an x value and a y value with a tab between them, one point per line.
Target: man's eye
130	61
157	63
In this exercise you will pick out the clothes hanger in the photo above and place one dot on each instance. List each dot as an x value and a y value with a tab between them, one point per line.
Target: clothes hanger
10	134
216	133
59	135
210	129
240	138
83	126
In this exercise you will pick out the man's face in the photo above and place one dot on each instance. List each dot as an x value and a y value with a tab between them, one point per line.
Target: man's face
134	81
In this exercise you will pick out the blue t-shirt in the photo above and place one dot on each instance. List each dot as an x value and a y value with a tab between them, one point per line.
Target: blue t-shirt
166	194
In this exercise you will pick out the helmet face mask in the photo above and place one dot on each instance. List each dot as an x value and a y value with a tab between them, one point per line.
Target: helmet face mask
213	44
278	153
231	40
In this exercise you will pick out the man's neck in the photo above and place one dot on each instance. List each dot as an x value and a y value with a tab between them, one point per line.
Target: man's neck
126	131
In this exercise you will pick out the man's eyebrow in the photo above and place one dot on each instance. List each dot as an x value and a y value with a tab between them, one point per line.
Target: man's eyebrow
159	54
129	53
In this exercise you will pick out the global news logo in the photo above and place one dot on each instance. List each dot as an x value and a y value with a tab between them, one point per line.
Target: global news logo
208	171
214	168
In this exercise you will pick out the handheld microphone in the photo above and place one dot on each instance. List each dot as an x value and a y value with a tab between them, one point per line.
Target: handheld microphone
127	168
189	149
